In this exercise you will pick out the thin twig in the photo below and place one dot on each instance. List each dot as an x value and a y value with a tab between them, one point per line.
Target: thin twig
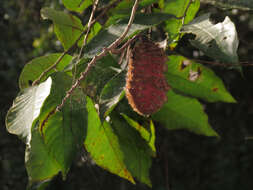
243	64
37	81
88	27
99	56
118	51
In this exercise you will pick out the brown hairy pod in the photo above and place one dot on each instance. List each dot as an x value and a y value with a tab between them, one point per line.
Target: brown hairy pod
146	85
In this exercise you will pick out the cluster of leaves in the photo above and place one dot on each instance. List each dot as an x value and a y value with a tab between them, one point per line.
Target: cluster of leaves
97	115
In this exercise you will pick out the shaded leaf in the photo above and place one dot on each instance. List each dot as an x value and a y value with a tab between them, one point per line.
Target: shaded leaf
67	27
194	79
26	108
107	36
33	69
178	8
103	145
39	165
137	153
182	112
111	94
218	41
147	134
77	5
99	75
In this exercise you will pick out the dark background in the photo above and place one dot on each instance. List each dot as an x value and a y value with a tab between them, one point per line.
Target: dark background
185	160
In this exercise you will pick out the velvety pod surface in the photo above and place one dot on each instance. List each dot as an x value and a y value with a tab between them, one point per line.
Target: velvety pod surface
146	85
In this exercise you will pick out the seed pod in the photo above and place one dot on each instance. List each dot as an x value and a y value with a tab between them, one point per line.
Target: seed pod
146	85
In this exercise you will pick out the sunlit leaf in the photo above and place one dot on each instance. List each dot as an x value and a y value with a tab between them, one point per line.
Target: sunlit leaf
178	8
26	108
33	69
218	41
77	5
191	78
103	145
67	27
182	112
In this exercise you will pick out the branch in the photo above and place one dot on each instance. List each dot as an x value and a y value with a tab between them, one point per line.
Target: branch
37	81
212	63
99	56
88	27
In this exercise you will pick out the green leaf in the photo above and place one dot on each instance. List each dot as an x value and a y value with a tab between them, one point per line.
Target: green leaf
105	37
182	112
111	94
103	145
125	7
26	108
67	27
77	5
136	151
194	79
35	67
231	4
39	165
99	75
178	8
94	31
218	41
58	134
147	134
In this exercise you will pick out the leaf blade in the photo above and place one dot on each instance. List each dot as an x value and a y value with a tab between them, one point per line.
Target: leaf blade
194	79
182	112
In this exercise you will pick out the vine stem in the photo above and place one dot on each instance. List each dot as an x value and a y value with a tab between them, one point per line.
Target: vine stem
37	81
99	56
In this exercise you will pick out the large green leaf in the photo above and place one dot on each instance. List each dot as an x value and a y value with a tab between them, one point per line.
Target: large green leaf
178	8
58	135
35	67
231	4
67	27
194	79
39	165
219	41
182	112
105	37
103	145
26	108
137	153
77	5
148	134
111	94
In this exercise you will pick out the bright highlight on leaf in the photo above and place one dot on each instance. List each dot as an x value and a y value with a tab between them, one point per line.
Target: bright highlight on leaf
26	108
219	41
56	136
